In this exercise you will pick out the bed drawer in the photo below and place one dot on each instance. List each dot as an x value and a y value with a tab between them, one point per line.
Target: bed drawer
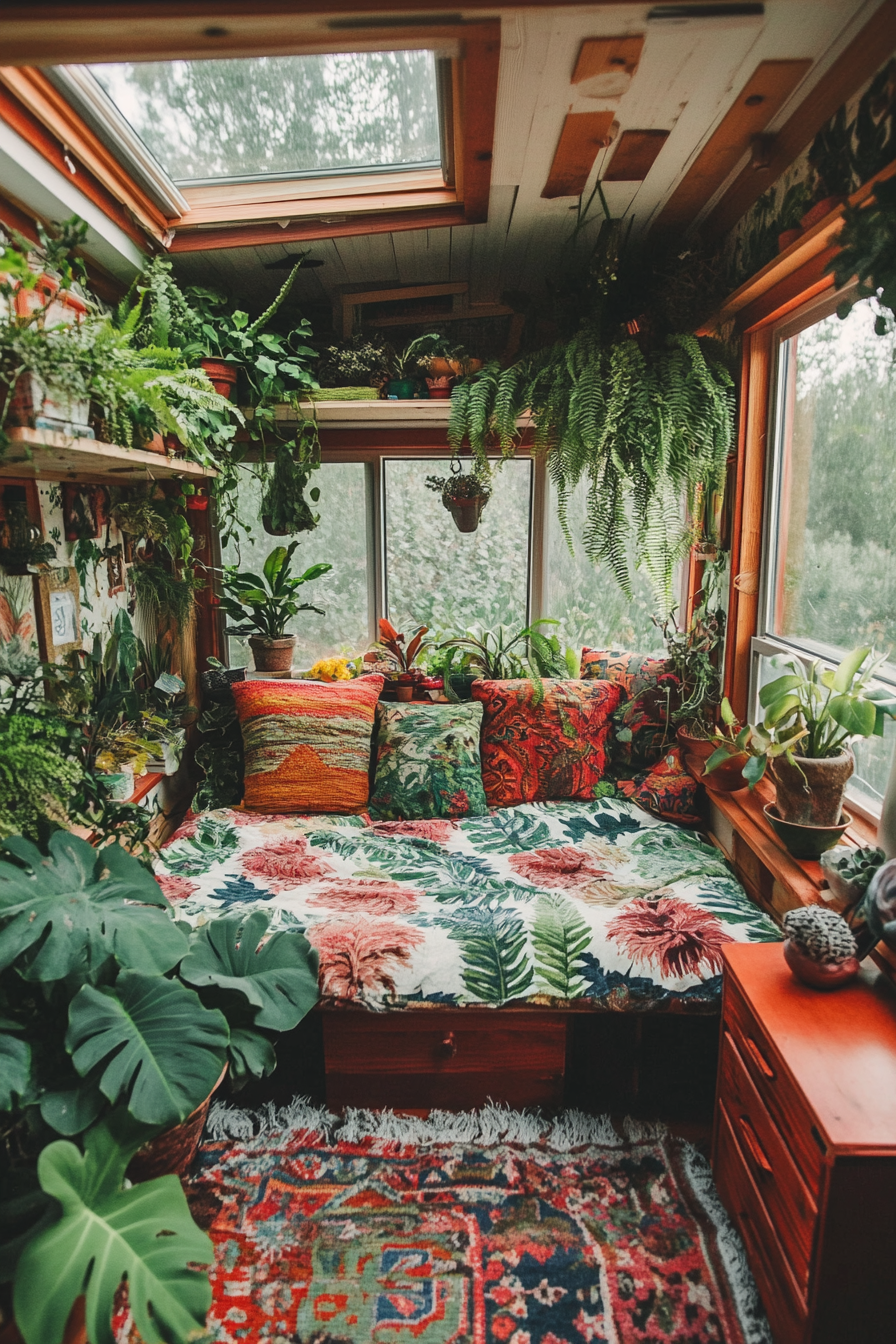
432	1058
777	1092
790	1207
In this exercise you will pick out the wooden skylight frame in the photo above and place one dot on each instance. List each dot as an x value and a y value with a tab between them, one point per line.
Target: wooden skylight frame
233	215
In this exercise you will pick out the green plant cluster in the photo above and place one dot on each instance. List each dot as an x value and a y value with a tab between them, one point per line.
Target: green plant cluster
38	777
868	251
284	509
460	485
361	361
264	604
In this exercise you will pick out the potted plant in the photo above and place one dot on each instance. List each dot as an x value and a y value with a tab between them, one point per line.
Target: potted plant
354	370
442	362
464	495
403	383
404	654
849	870
113	1033
501	655
832	160
272	601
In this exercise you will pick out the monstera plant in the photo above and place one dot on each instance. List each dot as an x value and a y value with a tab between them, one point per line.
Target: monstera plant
116	1022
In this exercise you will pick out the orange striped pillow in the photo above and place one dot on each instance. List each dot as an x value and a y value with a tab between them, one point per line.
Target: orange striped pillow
307	743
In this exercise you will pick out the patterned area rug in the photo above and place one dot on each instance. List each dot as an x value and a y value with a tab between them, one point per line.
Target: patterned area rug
506	1228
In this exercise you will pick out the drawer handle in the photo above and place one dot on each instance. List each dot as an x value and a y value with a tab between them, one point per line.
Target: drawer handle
448	1046
758	1057
752	1142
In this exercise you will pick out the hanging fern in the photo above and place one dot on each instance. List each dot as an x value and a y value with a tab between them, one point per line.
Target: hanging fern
644	430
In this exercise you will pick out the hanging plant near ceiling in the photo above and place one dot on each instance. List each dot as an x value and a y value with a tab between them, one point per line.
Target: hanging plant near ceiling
284	509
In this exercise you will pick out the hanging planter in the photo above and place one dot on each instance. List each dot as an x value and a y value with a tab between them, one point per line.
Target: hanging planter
464	495
284	508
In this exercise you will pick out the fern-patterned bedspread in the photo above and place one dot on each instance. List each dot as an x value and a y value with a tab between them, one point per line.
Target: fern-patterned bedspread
595	902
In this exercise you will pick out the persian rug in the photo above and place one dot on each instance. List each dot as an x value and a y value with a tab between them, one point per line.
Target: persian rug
592	902
465	1229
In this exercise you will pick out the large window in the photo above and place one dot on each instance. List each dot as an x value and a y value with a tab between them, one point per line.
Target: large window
830	581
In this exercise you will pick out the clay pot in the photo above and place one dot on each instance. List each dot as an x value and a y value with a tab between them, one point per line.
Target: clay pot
696	751
273	656
197	503
156	445
818	211
466	512
812	794
817	974
172	1152
440	388
805	842
222	375
404	694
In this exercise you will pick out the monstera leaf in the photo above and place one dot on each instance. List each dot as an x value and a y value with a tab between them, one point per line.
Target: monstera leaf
277	976
104	1234
15	1068
151	1042
71	909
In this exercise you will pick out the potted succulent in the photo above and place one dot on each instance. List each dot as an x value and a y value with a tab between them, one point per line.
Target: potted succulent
272	600
404	654
849	870
464	495
113	1034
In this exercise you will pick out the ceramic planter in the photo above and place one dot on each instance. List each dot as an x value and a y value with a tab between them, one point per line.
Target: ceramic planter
805	842
222	375
466	512
401	389
810	792
32	406
120	784
439	367
696	751
819	975
273	656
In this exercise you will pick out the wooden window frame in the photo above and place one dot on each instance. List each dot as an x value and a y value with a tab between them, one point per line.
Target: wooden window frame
231	216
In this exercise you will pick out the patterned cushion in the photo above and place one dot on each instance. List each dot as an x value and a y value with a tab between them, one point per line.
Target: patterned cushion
667	790
427	762
544	739
307	744
640	732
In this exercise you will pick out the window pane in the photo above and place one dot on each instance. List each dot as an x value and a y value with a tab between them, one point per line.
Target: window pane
275	115
835	577
450	580
340	539
585	597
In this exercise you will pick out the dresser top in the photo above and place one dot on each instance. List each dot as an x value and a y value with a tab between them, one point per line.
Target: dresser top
838	1045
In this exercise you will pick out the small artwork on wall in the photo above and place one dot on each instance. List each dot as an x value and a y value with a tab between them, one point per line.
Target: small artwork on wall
115	570
58	612
85	511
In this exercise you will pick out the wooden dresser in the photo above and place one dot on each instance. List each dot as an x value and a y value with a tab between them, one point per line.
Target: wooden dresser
804	1151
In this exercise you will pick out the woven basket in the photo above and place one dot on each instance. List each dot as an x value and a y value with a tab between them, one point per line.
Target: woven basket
343	394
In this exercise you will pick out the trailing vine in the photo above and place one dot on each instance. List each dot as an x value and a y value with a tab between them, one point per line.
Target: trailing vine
868	251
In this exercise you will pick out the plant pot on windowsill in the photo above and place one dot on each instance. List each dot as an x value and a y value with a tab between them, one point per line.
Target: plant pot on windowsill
805	842
222	375
273	656
440	388
696	751
810	792
401	389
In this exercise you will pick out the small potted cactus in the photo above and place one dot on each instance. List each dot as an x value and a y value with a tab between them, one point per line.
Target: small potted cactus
849	870
819	947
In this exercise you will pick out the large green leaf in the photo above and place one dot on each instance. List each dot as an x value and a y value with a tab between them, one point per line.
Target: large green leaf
15	1070
559	937
105	1234
497	966
250	1053
76	906
277	976
160	1050
854	714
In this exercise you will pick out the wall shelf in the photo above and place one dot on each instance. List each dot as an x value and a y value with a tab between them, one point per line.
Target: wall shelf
45	455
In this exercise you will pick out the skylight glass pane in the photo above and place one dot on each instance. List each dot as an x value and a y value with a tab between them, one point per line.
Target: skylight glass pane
273	116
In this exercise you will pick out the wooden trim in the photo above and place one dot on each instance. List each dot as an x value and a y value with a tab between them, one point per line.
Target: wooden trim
34	91
746	541
864	55
635	155
475	112
771	83
297	208
608	56
14	216
582	136
335	226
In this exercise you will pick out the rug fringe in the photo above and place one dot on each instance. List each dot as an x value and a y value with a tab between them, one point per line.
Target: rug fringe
495	1123
734	1256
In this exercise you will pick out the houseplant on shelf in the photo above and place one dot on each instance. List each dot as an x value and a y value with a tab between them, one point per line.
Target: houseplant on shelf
464	494
272	601
501	655
354	369
404	653
442	362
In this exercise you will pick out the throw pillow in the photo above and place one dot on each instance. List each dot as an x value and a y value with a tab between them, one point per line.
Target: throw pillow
427	762
307	743
544	739
667	790
640	729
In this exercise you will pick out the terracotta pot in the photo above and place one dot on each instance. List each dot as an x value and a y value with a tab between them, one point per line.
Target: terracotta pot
172	1152
440	388
222	375
173	446
197	503
441	368
403	694
805	842
156	445
819	975
273	656
466	512
696	751
788	238
818	212
810	792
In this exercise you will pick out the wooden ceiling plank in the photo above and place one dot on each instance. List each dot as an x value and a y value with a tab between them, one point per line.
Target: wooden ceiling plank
583	134
635	155
764	93
608	56
852	68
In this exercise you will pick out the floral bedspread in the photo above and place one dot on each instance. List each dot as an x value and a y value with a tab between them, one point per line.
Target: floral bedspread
547	902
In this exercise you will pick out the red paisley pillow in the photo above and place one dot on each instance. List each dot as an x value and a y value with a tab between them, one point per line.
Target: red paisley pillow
544	739
641	732
667	790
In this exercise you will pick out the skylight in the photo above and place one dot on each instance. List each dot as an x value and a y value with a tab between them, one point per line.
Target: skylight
276	117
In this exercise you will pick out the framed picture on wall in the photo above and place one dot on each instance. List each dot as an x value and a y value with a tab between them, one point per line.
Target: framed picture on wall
115	570
58	610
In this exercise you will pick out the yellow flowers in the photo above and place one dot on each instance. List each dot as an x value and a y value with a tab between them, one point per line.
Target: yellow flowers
331	669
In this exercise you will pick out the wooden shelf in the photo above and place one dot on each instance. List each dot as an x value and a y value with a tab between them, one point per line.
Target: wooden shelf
369	414
45	455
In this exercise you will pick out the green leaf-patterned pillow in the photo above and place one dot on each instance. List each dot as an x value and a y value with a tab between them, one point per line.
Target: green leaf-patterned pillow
427	762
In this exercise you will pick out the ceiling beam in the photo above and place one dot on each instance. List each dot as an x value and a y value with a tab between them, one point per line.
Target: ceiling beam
608	56
583	135
635	155
852	68
764	94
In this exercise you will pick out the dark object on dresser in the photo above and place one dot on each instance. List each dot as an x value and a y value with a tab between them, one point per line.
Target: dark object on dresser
804	1153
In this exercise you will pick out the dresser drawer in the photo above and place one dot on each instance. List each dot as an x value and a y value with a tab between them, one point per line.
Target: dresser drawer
781	1298
783	1100
788	1203
463	1041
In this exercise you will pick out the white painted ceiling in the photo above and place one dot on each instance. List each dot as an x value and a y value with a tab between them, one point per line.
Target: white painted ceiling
690	73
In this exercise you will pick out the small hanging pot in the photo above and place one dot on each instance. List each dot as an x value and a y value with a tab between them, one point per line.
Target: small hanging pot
466	512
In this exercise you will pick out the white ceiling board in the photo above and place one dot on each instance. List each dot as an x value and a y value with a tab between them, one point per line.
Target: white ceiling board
488	247
461	252
423	256
368	258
